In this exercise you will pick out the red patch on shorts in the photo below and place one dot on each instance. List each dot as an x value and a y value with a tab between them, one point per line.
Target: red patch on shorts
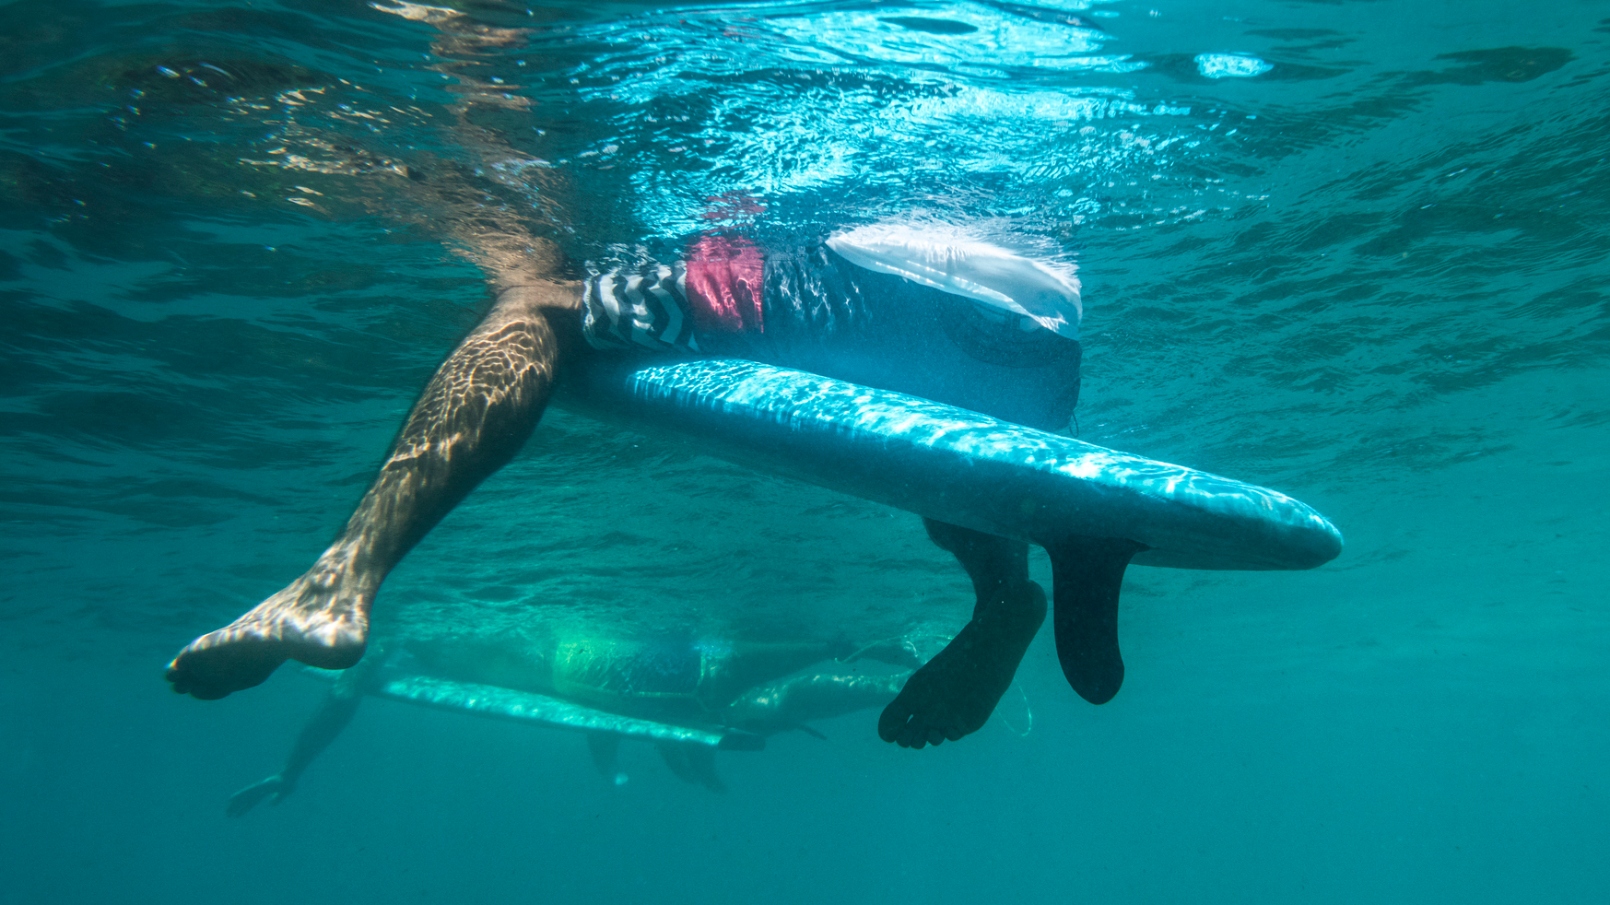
725	277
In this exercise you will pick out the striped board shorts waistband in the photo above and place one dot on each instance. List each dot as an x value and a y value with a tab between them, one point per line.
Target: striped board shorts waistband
643	306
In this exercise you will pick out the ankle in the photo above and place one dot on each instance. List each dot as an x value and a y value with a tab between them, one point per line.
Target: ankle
343	568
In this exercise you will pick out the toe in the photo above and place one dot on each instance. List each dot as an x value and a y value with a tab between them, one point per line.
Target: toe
893	721
915	735
177	678
187	679
210	673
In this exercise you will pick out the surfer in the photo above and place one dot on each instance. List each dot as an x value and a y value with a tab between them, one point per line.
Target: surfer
920	308
812	307
748	689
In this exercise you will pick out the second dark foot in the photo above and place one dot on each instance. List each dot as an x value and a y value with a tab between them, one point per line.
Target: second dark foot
954	693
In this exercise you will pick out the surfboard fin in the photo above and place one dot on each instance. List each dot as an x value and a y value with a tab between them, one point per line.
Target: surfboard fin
604	747
693	764
811	731
1086	574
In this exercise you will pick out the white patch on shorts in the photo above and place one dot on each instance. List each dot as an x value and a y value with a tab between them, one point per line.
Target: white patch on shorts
954	260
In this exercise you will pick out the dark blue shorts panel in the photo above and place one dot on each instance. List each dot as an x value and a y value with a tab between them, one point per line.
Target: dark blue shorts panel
830	317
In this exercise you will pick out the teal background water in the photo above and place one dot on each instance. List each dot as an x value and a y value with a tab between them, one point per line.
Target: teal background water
1372	276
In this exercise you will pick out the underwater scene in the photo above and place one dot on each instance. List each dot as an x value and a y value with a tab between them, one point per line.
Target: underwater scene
1139	451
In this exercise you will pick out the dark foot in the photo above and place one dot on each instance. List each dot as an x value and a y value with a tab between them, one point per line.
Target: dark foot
318	620
955	692
1087	574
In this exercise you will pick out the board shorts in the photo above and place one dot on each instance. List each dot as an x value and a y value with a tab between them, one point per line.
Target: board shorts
926	310
600	669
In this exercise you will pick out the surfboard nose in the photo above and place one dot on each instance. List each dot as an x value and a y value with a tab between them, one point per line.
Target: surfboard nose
1305	542
1326	545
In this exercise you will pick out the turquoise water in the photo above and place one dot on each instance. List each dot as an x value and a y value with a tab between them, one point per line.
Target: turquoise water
1365	265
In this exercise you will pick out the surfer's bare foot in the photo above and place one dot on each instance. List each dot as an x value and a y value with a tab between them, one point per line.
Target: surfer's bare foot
955	693
321	619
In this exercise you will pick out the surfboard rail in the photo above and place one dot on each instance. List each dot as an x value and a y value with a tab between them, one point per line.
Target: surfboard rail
530	707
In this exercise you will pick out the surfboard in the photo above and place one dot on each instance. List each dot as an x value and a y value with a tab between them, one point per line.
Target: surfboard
532	708
959	466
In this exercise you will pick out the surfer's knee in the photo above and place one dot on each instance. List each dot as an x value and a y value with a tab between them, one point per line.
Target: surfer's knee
539	296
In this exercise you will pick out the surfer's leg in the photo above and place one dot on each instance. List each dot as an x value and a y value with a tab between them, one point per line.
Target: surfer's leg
814	695
1086	576
472	417
332	717
729	669
955	692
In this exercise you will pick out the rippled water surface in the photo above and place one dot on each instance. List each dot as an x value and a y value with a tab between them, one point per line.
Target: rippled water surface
1356	251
